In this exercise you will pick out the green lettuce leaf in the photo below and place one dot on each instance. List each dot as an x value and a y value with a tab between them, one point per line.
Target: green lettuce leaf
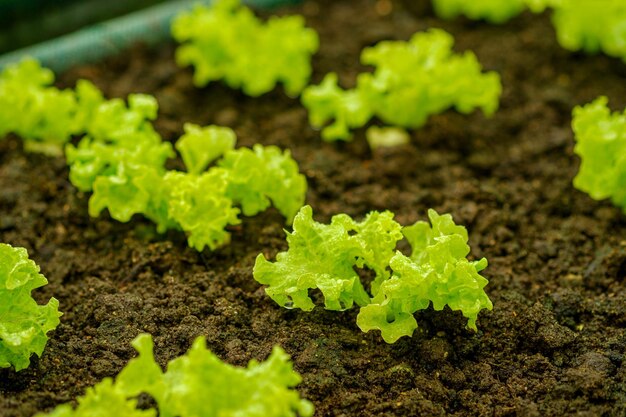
324	257
226	41
437	271
24	324
121	142
31	108
581	25
411	81
601	144
200	146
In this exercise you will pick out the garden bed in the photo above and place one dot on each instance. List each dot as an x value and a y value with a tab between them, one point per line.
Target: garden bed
555	341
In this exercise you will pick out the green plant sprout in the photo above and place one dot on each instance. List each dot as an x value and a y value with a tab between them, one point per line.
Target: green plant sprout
590	26
601	144
24	324
195	384
226	41
42	115
134	181
121	160
412	81
324	257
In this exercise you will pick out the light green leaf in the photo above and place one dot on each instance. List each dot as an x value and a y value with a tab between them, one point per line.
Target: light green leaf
226	41
24	324
200	146
411	81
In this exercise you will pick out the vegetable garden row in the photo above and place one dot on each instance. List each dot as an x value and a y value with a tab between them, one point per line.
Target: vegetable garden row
114	153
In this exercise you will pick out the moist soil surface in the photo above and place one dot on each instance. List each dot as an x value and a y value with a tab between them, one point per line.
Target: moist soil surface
554	343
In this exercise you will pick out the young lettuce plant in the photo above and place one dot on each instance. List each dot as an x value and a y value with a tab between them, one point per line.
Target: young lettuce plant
120	148
42	115
591	26
195	384
601	145
24	324
128	177
412	81
226	41
324	257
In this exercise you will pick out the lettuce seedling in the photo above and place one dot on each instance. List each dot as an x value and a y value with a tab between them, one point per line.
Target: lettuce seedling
226	41
24	324
196	384
591	26
324	257
128	177
31	108
120	149
601	144
412	81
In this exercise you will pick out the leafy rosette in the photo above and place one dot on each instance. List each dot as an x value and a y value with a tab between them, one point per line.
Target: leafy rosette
411	81
324	257
227	42
601	144
24	324
591	26
196	384
30	107
121	150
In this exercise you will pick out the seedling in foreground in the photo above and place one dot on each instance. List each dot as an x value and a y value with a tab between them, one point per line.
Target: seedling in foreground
412	81
196	384
324	257
226	41
24	324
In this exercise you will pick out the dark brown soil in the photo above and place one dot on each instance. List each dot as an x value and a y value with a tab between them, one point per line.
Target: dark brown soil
555	341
